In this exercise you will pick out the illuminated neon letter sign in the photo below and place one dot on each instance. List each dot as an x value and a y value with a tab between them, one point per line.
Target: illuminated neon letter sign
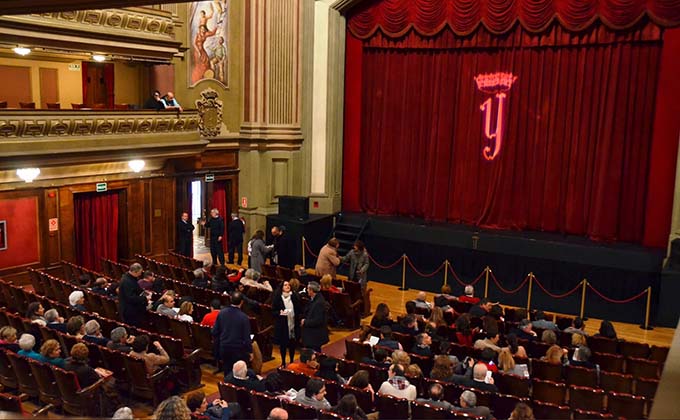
497	84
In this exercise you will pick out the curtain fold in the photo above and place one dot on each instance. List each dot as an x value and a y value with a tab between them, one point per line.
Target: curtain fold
219	201
575	158
429	17
96	228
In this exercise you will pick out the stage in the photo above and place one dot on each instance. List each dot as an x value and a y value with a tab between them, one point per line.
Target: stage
615	272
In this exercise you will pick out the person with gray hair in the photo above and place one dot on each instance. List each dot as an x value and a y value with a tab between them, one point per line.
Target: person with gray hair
242	377
216	225
200	279
120	340
123	413
479	379
77	300
315	321
436	399
278	413
93	333
26	344
132	299
468	404
469	296
55	321
252	279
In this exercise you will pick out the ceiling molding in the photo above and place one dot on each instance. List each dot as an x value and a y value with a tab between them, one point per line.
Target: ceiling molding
20	7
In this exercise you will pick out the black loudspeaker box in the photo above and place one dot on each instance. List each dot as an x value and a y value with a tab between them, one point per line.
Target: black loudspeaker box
674	257
294	207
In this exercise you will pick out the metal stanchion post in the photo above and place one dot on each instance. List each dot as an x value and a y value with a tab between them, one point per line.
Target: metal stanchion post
584	282
531	278
646	326
486	282
446	272
303	253
403	273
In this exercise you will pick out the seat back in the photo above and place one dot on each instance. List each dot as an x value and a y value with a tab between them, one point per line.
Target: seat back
642	368
602	345
203	340
53	105
357	351
512	384
364	397
585	414
609	362
298	411
292	379
626	405
391	407
47	384
424	411
261	404
545	410
617	382
8	378
72	400
584	398
633	349
27	105
645	388
543	370
576	375
140	384
182	330
9	402
502	405
22	368
658	353
549	391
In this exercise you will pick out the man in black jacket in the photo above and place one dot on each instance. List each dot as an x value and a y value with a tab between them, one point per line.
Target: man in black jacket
282	254
185	233
315	324
216	225
132	299
231	333
235	232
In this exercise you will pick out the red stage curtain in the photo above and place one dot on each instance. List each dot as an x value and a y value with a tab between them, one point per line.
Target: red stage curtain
575	158
219	202
428	17
96	228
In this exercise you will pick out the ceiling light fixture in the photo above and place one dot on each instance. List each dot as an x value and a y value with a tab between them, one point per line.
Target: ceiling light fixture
98	58
136	165
28	174
22	51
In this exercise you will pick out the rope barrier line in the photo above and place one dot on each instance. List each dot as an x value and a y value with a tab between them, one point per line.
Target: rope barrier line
408	260
385	267
310	250
461	282
509	292
557	296
597	292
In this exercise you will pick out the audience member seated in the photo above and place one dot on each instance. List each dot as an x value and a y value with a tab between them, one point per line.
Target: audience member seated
436	393
202	410
51	353
479	379
252	278
152	361
490	342
154	102
77	300
78	363
578	340
26	344
525	331
100	287
515	348
401	358
241	376
54	321
481	309
468	404
522	412
542	323
555	355
169	102
549	337
361	379
173	408
444	299
421	301
36	313
488	356
413	371
185	311
577	327
85	281
397	385
167	306
606	330
147	281
210	318
380	358
469	295
328	369
349	408
422	345
307	364
200	279
386	339
277	413
8	339
581	358
93	333
407	325
76	326
464	333
506	364
326	283
123	413
381	316
313	395
120	340
159	302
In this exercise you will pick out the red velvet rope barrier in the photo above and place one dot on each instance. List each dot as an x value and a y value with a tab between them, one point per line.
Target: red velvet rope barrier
597	292
578	286
408	260
385	267
461	282
508	292
310	249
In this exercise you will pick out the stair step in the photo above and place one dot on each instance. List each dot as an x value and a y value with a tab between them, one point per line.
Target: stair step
344	226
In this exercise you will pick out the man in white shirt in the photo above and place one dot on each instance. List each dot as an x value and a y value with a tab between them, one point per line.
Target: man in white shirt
397	385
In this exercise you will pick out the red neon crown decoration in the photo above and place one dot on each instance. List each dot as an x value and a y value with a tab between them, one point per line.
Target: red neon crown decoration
495	82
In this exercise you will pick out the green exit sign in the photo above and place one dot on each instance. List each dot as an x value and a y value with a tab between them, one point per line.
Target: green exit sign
209	177
101	187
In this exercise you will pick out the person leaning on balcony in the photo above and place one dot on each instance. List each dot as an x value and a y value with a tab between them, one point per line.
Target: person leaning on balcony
154	102
169	102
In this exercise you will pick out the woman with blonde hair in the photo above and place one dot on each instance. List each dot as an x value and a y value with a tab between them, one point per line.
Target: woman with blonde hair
522	412
51	353
506	363
554	355
174	408
327	284
400	357
185	311
578	340
413	371
549	337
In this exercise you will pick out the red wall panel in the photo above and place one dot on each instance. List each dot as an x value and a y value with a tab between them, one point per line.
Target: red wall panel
21	216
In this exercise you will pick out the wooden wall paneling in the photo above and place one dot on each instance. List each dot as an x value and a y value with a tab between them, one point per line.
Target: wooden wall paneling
162	215
49	86
67	223
51	241
219	160
16	86
25	248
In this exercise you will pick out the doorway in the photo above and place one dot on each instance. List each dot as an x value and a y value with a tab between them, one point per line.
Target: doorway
98	84
100	228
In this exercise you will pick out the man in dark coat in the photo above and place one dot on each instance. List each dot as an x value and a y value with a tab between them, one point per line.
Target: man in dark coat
132	298
231	333
235	232
283	251
185	233
315	324
216	225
